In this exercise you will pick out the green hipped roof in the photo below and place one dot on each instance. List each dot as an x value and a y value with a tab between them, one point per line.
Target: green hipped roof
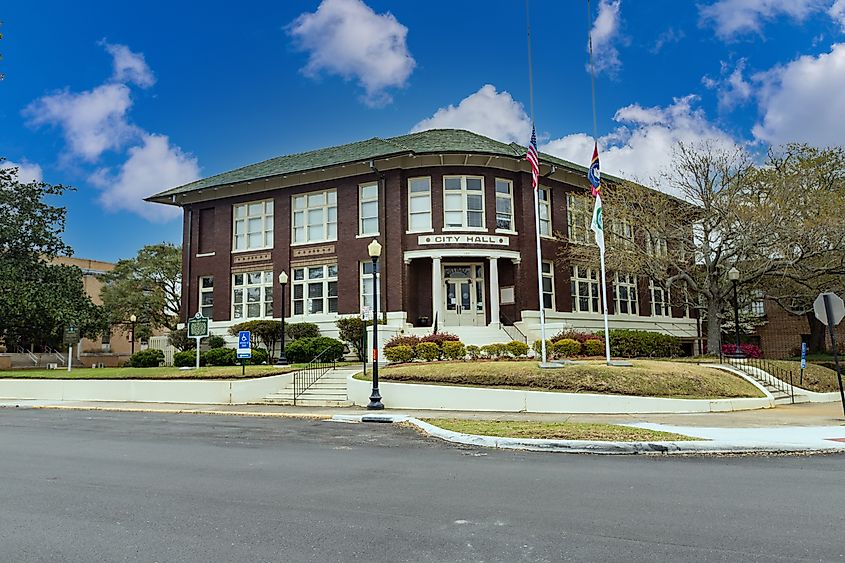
424	142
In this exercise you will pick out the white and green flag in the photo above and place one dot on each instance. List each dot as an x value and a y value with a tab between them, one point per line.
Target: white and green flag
597	224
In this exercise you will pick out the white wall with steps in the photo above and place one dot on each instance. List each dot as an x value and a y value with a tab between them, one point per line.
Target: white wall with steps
330	390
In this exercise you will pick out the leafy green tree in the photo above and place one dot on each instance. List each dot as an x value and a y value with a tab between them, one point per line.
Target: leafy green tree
147	286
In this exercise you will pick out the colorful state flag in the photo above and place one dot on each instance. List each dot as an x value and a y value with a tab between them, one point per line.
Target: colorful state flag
594	174
534	158
597	224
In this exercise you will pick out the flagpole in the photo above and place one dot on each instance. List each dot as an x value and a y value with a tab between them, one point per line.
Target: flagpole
604	303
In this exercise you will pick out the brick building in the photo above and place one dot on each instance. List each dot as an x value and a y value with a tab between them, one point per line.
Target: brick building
455	215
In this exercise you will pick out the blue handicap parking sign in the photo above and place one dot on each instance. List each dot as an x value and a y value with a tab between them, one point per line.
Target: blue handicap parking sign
244	349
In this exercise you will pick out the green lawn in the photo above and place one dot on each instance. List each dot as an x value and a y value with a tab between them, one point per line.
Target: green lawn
223	372
816	378
556	430
649	378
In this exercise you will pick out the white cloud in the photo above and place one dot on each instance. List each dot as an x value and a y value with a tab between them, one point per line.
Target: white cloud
154	166
486	112
604	33
27	171
837	12
129	66
92	121
799	101
641	147
347	38
735	17
671	35
732	87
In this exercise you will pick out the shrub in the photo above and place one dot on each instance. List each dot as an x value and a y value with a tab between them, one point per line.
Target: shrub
219	357
216	341
567	348
592	347
295	331
188	358
427	351
495	350
749	350
303	350
538	350
454	350
400	340
179	339
148	358
643	344
439	338
517	349
399	354
574	335
351	331
473	351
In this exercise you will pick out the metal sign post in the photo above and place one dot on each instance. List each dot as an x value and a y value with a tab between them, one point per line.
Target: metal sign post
198	329
830	310
244	349
366	313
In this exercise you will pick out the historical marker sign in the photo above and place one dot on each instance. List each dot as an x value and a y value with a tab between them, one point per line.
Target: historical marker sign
837	308
198	327
71	335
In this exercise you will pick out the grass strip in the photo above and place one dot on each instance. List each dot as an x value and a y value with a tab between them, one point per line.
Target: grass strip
215	372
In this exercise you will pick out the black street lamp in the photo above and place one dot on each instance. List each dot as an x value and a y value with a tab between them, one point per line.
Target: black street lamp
283	280
132	319
374	249
733	275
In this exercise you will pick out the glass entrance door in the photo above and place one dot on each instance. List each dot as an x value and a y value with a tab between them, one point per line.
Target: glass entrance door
464	294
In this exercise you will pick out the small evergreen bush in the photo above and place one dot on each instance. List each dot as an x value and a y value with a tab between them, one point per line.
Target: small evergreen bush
399	354
566	348
453	350
148	358
537	347
439	338
473	352
402	340
643	344
593	347
186	359
495	350
219	357
517	349
295	331
303	350
427	351
216	341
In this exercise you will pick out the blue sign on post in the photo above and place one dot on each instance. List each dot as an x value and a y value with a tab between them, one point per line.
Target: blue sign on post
803	355
244	348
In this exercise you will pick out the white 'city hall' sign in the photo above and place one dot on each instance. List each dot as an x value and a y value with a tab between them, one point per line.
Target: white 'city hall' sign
468	239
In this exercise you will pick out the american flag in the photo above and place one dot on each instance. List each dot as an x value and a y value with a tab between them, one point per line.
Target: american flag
532	157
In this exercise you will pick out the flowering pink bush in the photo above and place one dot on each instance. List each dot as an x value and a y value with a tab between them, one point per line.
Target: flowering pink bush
749	350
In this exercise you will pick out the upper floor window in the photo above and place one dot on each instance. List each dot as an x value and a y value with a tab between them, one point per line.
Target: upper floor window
419	204
463	202
623	231
207	296
315	217
656	246
544	196
548	285
368	269
252	295
659	300
315	289
253	225
756	306
504	205
579	217
368	209
584	286
625	294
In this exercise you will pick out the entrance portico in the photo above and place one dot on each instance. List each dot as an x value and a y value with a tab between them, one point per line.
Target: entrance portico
462	293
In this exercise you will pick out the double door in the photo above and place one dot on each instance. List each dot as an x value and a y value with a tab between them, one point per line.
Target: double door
464	295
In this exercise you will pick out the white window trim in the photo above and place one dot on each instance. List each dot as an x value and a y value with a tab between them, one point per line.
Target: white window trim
361	202
430	228
264	284
325	280
509	197
326	206
366	282
629	285
585	271
246	218
203	290
548	204
464	208
586	219
666	310
551	276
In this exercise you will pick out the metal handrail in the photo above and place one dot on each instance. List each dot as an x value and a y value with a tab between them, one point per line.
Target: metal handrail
33	358
307	376
776	376
56	353
505	323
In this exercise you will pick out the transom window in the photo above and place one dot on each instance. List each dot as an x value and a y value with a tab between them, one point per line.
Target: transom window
625	294
315	217
207	296
659	300
579	216
463	202
584	286
253	225
504	205
548	285
315	289
367	269
368	209
252	295
419	204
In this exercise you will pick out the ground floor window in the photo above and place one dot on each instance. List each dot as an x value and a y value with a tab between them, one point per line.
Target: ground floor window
207	296
584	286
367	269
625	294
548	286
252	295
659	300
315	289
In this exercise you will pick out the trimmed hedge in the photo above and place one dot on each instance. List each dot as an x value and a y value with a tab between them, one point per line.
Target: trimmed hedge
453	350
427	351
517	349
538	349
187	359
473	352
495	350
303	350
439	338
643	344
567	348
400	340
592	347
148	358
399	354
219	357
216	341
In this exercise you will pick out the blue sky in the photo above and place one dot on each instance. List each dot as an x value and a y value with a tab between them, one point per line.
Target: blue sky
122	102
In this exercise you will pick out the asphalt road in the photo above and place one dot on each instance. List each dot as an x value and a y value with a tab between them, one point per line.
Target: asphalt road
103	486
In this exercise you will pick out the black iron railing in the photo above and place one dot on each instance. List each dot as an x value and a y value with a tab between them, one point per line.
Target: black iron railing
307	376
768	372
511	330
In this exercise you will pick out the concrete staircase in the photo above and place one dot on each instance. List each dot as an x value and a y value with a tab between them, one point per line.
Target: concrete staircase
779	389
328	391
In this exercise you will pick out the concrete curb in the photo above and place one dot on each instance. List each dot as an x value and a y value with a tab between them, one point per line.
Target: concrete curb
585	446
186	411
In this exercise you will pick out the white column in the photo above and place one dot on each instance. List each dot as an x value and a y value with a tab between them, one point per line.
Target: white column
494	291
437	292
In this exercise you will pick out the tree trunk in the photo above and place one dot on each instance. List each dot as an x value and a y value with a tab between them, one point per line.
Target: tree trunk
714	327
817	334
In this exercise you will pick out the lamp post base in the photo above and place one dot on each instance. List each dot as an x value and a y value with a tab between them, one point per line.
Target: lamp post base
282	361
375	401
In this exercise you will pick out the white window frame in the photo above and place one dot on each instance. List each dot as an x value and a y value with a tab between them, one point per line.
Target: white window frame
579	217
464	193
661	307
548	271
206	291
364	201
264	286
507	197
365	295
305	276
544	200
584	275
623	231
629	283
656	246
244	216
301	210
420	195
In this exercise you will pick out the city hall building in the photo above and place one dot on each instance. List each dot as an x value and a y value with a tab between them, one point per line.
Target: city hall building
454	212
